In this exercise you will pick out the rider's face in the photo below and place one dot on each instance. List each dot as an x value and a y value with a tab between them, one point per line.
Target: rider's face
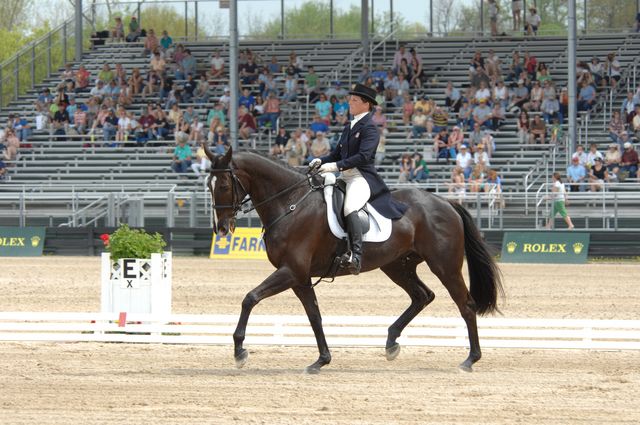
357	105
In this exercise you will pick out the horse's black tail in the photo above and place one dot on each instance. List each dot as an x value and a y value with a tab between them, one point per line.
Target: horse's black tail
485	277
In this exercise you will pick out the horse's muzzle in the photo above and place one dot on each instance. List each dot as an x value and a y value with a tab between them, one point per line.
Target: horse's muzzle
227	226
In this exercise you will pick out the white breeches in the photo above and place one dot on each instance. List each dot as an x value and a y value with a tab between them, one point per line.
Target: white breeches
358	191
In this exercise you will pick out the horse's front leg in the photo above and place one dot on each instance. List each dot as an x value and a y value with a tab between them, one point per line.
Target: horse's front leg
307	296
279	281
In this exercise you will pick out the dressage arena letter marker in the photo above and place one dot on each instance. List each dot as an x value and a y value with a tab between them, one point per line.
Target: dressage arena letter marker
130	273
122	319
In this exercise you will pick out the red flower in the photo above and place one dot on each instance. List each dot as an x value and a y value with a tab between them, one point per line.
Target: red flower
105	238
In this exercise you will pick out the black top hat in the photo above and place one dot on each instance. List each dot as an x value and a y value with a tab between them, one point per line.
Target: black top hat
364	92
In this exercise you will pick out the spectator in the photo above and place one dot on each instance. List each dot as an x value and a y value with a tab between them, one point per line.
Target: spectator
290	89
613	70
249	73
61	121
161	126
550	109
456	139
415	69
442	146
319	147
136	82
476	63
201	163
612	158
617	132
419	124
281	140
464	161
419	169
247	122
519	96
186	66
482	115
3	170
533	21
516	13
559	198
80	120
196	130
480	157
500	94
318	125
166	43
542	73
146	122
493	183
201	93
217	65
479	77
515	67
271	112
629	161
157	63
598	176
400	54
628	107
475	137
440	120
493	17
379	119
21	127
577	176
11	145
151	43
586	97
498	116
457	185
311	84
106	74
364	74
296	62
555	132
341	111
535	98
323	108
181	156
592	155
476	179
151	84
405	172
538	130
452	99
597	71
216	117
407	110
109	127
465	115
295	149
117	32
134	30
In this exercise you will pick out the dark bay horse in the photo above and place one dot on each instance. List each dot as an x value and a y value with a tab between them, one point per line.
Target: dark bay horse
300	245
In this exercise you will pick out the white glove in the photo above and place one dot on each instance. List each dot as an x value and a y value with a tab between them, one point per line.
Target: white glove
329	167
315	163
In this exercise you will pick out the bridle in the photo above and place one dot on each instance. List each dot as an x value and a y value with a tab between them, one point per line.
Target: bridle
239	201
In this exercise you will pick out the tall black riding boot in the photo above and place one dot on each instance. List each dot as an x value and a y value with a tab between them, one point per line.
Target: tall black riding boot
354	228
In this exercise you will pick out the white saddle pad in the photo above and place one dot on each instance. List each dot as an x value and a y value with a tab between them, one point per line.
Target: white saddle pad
379	225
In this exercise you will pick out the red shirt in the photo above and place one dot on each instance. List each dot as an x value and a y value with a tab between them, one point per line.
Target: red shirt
630	156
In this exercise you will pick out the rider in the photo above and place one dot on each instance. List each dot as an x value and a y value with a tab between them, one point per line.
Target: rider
354	156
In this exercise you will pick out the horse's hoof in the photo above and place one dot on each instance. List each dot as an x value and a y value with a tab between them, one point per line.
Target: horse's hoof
312	370
393	351
241	359
465	367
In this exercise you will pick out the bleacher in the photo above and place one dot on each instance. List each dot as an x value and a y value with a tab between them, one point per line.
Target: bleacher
78	161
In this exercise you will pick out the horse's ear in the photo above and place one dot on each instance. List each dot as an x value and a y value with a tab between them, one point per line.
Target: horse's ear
209	154
226	158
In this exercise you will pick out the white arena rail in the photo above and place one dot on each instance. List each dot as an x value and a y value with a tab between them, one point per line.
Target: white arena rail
350	331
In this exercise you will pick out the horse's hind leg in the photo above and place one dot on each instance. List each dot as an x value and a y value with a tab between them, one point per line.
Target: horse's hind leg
307	296
403	273
454	282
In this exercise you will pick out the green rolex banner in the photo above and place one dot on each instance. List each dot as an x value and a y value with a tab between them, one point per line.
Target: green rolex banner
21	241
545	247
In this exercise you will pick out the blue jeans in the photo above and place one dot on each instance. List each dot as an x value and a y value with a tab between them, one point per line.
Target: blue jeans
418	131
632	169
272	117
181	167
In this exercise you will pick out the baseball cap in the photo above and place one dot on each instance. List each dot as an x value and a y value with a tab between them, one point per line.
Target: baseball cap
521	81
463	146
627	144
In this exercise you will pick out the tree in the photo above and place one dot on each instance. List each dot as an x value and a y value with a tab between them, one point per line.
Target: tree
13	13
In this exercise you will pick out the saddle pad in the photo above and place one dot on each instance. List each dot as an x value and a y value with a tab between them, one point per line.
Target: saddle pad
379	225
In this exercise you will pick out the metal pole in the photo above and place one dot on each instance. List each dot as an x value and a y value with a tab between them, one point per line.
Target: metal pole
196	17
584	31
171	200
482	17
233	71
431	17
64	43
572	74
364	27
193	210
33	65
186	19
49	55
79	32
16	87
331	18
391	16
23	209
1	89
373	28
281	18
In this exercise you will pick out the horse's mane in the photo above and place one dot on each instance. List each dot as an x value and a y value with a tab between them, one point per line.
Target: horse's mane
275	161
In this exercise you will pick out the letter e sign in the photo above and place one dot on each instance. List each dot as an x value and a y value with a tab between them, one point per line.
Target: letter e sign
130	273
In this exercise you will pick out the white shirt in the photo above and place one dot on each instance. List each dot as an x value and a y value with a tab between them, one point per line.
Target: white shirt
464	160
217	63
559	191
358	118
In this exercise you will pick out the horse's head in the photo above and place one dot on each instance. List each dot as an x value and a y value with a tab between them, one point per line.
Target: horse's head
227	193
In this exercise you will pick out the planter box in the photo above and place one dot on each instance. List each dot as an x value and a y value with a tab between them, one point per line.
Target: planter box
135	285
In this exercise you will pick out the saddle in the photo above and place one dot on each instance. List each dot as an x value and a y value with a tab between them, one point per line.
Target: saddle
375	227
339	192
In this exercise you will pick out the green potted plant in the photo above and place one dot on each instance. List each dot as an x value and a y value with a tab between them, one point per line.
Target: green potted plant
136	272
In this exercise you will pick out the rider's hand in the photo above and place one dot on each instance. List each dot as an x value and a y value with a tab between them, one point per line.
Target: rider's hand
329	167
315	163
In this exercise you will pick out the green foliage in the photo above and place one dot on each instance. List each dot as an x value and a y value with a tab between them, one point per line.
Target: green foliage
133	243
